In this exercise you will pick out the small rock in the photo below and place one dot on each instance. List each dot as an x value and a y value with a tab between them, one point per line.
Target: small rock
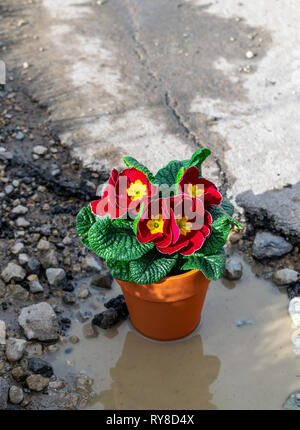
17	248
53	348
16	395
49	259
294	311
74	339
19	374
8	189
37	365
89	331
4	387
249	55
46	229
83	384
106	319
55	276
33	266
13	272
67	241
84	293
18	292
285	276
103	280
69	298
40	150
244	322
43	245
119	304
34	284
293	402
2	332
268	245
234	269
22	222
57	385
90	264
19	210
34	349
37	382
39	322
20	135
23	259
15	349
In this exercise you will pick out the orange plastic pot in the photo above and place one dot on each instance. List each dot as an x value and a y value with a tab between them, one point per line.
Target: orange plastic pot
169	309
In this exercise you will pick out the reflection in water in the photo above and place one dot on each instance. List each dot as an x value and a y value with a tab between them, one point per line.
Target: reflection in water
151	375
228	284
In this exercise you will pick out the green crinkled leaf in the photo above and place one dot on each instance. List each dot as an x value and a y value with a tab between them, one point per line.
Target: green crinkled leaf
119	270
167	175
198	157
84	220
218	236
132	162
110	242
212	266
123	224
152	267
221	210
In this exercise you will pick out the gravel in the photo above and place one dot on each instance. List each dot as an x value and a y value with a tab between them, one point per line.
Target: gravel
268	245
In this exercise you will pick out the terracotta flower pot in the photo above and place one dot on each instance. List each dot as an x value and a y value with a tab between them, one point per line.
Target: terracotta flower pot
169	309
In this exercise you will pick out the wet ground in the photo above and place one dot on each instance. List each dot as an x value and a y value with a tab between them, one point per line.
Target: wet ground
220	366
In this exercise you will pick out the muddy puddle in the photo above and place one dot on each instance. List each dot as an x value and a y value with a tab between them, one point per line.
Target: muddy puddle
222	365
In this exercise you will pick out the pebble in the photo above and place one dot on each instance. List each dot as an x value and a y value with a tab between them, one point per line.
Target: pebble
55	276
23	259
16	395
90	264
8	189
20	135
293	401
49	259
18	292
285	276
37	382
67	241
40	150
15	349
268	245
33	266
74	339
20	210
69	298
294	311
83	384
4	387
234	269
249	55
84	293
2	332
42	367
103	280
43	245
53	348
34	284
57	385
22	222
244	322
13	272
33	349
17	248
19	374
39	322
106	319
89	331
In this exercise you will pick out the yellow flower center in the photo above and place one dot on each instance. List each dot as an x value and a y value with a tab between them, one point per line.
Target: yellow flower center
195	190
184	225
156	224
137	190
